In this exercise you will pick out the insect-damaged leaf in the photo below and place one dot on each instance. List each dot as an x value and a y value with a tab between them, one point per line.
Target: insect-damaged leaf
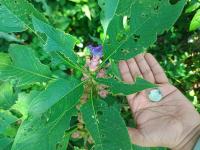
23	66
133	25
56	91
48	114
15	15
57	40
119	87
44	133
106	126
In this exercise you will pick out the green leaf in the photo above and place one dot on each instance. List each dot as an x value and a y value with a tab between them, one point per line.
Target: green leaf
23	103
106	126
45	132
6	119
25	67
57	40
113	69
9	22
131	26
118	87
194	6
5	143
108	12
7	96
15	15
136	147
195	23
38	104
7	131
62	145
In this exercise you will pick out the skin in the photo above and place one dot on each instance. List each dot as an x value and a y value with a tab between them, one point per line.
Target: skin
173	122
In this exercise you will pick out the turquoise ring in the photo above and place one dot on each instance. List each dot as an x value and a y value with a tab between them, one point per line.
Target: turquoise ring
155	95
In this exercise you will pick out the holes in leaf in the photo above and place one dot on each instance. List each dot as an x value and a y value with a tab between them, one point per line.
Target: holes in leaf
173	2
156	8
144	15
103	135
125	51
99	113
136	37
120	36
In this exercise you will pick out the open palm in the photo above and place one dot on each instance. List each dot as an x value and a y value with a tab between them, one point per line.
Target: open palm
167	123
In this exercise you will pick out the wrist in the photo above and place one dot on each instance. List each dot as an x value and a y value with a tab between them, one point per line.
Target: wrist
190	140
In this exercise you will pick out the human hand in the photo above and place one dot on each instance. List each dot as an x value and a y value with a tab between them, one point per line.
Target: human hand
173	122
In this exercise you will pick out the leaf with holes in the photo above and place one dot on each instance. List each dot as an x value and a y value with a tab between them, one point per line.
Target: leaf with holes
23	66
57	40
106	126
45	132
13	19
46	99
119	87
131	26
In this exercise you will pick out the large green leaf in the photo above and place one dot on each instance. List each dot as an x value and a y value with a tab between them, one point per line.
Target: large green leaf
9	22
118	87
25	67
15	15
38	103
131	26
49	113
7	96
106	126
44	133
57	40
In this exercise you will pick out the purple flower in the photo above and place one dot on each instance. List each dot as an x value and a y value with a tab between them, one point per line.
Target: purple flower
96	51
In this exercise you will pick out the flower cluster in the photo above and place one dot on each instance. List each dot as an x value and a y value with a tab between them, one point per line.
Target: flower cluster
92	62
96	53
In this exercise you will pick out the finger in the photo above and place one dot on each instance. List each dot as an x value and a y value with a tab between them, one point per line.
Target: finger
126	76
133	67
144	68
157	70
125	72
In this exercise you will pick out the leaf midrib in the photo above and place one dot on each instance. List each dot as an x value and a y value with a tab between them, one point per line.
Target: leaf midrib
28	71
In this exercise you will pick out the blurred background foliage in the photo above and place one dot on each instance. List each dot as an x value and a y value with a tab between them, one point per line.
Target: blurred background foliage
177	50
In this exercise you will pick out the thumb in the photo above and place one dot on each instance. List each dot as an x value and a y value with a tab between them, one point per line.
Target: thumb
137	137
